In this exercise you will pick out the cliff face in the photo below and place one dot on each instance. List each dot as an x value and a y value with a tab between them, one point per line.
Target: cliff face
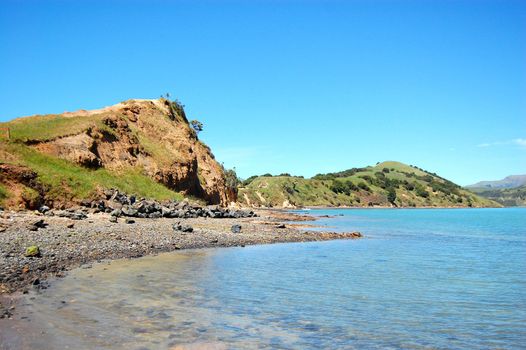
149	136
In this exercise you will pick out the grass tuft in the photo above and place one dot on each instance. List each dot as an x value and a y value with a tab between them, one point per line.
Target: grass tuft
3	194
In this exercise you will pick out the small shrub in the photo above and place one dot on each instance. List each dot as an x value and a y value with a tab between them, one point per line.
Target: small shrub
391	195
368	179
197	126
338	186
249	180
364	186
231	179
290	189
421	192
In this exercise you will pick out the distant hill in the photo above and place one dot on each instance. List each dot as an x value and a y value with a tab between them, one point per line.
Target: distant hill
511	181
509	197
142	147
388	184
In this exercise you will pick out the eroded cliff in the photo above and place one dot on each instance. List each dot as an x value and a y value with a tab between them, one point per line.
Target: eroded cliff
146	138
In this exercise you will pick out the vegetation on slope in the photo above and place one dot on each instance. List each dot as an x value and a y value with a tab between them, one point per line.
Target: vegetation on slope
62	159
49	127
509	197
3	194
65	182
386	184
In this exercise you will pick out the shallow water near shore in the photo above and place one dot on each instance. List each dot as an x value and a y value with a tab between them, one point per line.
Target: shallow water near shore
420	279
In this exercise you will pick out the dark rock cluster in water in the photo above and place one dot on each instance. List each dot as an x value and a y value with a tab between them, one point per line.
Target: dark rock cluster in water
120	204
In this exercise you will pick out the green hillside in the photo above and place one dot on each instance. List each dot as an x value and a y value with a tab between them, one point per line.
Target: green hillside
386	184
509	197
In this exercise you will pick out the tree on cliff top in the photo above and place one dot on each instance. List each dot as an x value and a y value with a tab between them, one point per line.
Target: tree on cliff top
231	179
197	126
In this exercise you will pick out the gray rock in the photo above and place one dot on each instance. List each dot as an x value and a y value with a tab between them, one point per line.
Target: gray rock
37	224
114	205
166	212
73	215
43	209
154	215
141	207
40	223
129	211
79	216
109	193
183	228
182	205
86	203
177	213
116	213
236	228
113	219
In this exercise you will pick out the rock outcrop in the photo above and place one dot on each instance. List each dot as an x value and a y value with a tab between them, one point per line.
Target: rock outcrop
150	136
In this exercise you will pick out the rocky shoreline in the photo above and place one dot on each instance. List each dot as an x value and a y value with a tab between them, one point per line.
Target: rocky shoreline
36	246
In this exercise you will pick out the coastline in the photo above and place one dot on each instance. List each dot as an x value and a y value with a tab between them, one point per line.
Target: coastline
308	207
66	244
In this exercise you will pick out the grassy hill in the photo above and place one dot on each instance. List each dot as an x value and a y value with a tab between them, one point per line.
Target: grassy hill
142	147
509	197
385	184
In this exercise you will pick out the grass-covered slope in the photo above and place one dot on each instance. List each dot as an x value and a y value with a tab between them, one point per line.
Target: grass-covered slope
386	184
48	127
142	147
64	182
509	197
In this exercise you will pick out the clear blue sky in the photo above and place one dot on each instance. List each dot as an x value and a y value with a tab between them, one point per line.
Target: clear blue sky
290	86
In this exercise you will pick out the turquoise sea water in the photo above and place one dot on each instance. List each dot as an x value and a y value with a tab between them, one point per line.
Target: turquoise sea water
420	279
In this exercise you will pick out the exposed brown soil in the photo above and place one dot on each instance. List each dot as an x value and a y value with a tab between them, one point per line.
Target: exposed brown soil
151	135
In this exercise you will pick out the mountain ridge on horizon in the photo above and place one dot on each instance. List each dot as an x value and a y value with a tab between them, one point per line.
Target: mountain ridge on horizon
510	181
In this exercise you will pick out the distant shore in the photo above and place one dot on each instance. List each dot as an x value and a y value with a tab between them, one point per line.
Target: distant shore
288	209
65	244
